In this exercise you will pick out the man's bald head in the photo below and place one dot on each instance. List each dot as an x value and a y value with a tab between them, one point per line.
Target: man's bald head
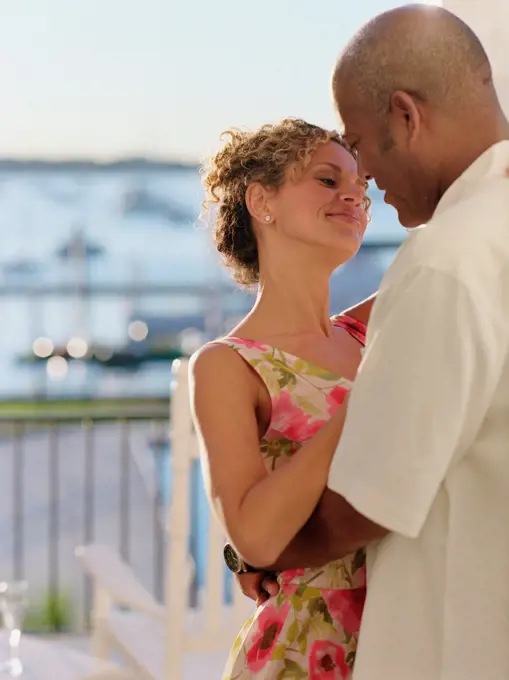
415	91
425	51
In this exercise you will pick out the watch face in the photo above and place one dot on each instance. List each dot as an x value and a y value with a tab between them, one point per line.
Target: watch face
231	558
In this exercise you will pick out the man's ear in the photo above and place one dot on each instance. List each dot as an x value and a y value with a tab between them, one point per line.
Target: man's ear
405	115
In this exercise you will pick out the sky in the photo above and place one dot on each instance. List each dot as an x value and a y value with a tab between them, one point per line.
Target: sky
109	78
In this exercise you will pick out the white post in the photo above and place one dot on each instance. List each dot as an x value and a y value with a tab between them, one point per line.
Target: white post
490	21
100	643
214	591
177	569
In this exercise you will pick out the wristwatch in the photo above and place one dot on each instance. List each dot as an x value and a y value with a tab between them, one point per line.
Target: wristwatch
234	561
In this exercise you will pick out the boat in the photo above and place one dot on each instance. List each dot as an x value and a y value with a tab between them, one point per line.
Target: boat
142	203
79	247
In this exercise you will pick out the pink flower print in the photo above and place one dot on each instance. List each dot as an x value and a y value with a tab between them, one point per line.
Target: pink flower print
289	574
290	421
346	606
336	397
289	589
249	344
285	579
269	622
309	431
327	661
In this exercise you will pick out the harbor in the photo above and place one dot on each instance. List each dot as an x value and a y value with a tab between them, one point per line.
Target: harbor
126	288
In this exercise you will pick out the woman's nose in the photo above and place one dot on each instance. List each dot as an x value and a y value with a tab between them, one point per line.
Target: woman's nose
352	194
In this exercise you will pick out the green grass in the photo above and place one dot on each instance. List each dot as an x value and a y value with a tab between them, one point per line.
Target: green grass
83	409
52	612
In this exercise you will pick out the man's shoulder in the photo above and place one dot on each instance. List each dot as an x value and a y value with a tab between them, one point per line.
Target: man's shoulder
468	243
488	199
469	240
481	216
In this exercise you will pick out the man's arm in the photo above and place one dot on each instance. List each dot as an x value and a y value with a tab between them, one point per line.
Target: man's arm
432	364
334	530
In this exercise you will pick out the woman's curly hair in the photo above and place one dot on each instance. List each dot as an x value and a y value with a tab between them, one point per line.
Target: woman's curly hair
264	156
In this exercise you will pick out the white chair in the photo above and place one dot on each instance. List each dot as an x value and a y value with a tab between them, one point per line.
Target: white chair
55	660
169	642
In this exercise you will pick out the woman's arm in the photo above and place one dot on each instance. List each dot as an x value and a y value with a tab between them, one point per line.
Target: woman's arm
260	512
362	310
334	530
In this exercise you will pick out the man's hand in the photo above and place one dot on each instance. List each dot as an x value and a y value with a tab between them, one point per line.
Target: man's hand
258	585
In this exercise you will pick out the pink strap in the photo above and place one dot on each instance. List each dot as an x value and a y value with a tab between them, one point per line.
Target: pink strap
356	328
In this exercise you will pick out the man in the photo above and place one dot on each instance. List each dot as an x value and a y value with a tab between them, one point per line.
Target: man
421	474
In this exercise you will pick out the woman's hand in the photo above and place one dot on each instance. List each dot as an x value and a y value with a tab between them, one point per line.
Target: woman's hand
258	585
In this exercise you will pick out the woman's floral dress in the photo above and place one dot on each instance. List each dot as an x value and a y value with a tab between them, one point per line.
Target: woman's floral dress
310	629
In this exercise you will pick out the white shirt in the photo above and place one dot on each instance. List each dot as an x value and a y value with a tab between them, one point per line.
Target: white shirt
425	449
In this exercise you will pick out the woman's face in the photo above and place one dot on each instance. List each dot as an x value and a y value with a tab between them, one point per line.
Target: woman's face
322	206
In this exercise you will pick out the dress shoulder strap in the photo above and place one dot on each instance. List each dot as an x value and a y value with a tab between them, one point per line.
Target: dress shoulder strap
260	359
356	328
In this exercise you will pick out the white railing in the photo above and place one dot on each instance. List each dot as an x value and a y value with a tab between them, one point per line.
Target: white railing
157	639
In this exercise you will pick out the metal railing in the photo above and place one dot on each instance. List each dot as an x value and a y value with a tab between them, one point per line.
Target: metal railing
72	478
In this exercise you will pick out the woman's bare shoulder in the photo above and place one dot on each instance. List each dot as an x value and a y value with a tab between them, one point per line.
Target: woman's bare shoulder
219	364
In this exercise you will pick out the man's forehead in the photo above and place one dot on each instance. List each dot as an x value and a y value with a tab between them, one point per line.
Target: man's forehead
348	107
344	87
351	121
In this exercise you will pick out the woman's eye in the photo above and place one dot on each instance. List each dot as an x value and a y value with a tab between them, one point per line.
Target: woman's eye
328	181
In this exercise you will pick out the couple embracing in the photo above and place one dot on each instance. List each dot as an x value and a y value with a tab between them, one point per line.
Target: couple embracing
363	459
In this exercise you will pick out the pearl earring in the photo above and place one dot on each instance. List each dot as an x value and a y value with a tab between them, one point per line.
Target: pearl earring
267	218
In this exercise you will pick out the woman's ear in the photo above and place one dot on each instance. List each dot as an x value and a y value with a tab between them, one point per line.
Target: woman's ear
258	202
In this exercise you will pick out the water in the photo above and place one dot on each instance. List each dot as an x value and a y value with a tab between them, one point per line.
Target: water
40	210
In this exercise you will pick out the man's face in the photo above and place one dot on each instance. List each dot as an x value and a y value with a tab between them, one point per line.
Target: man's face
392	151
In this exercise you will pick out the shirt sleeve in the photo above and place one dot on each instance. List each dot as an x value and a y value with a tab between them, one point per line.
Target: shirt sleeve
431	366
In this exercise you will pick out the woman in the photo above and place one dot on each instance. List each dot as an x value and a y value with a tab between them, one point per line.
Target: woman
268	399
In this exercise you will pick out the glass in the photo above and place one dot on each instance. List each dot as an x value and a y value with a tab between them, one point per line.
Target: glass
13	601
